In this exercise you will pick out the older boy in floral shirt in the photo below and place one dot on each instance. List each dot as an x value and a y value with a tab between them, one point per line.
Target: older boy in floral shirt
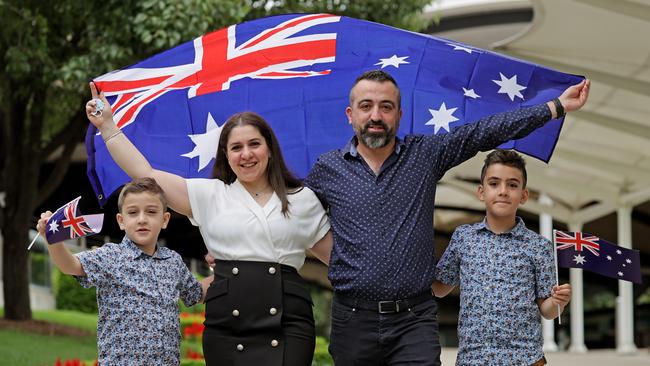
505	271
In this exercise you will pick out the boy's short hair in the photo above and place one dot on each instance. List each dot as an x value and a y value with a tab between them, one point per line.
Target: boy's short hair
508	158
140	185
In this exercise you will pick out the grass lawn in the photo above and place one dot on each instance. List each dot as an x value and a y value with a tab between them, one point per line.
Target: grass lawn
75	319
18	348
27	349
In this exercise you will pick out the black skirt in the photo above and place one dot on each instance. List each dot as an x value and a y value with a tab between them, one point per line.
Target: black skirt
258	313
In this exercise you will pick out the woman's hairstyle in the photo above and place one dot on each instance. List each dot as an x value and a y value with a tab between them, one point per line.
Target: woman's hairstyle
280	178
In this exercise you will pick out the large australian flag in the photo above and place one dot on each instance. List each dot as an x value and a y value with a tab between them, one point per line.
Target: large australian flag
296	71
589	252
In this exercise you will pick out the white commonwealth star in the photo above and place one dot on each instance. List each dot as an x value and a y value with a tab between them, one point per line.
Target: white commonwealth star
206	143
54	227
393	61
470	93
579	259
510	87
460	48
441	118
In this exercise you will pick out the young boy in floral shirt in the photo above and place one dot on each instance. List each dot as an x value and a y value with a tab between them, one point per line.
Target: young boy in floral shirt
505	271
138	282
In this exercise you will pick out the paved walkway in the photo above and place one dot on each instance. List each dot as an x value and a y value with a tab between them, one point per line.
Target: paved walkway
591	358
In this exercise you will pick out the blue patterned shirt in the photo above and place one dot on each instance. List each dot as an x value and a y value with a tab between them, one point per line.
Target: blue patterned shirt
137	297
501	276
383	223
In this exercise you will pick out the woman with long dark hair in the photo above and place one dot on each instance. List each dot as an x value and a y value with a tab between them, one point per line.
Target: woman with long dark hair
257	220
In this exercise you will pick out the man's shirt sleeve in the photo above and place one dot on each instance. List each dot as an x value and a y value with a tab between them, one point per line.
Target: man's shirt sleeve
448	267
487	133
314	181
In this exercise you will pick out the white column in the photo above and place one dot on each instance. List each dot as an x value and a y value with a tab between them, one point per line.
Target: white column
577	304
625	300
546	230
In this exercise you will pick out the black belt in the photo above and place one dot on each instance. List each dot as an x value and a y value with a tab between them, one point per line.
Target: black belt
384	307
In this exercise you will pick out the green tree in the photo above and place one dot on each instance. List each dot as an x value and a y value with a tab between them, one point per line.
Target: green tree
49	50
405	14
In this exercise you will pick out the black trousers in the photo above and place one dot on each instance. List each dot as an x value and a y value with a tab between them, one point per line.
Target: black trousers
367	338
258	313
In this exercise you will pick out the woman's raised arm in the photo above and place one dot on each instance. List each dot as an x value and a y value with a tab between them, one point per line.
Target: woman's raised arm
129	158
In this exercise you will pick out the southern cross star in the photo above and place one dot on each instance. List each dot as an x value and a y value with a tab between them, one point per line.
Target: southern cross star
509	86
441	118
392	61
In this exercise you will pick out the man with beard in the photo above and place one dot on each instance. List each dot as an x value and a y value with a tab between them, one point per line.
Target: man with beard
380	193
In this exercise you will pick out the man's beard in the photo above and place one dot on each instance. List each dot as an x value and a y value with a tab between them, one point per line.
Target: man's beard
376	140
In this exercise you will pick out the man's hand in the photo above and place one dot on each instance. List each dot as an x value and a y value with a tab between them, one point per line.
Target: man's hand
575	96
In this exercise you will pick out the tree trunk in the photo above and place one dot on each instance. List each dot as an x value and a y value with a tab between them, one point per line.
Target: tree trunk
15	270
20	180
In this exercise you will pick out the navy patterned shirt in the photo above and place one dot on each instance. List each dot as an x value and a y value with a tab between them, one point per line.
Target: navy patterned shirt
137	297
383	223
501	276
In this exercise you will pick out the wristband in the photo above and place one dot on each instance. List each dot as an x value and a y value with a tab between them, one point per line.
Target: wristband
559	108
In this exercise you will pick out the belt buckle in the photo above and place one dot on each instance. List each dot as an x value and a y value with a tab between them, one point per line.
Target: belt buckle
395	308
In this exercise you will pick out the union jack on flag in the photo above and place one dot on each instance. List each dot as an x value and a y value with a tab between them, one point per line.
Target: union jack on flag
608	259
577	241
296	71
68	223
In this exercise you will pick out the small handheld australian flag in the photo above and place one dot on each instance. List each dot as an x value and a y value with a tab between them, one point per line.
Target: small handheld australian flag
68	223
586	251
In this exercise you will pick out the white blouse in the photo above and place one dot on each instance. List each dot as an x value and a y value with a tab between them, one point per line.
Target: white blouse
235	227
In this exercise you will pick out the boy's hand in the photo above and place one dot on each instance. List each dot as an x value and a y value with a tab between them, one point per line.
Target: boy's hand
560	295
42	222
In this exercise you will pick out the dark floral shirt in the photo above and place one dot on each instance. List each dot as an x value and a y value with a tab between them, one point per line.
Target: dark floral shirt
501	276
137	297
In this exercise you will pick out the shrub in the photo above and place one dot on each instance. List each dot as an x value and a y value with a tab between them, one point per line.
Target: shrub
70	295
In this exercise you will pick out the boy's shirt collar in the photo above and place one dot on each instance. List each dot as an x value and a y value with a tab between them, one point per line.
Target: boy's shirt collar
133	251
518	230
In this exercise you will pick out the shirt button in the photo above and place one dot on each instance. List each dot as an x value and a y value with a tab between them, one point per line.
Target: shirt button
235	270
271	270
273	311
240	347
274	343
235	312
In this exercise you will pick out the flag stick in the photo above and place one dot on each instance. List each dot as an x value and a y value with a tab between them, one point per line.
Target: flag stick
557	278
33	241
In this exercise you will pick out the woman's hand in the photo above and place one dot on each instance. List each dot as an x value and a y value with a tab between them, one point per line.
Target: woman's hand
103	119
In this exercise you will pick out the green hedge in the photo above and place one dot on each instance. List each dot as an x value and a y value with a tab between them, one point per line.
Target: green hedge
70	295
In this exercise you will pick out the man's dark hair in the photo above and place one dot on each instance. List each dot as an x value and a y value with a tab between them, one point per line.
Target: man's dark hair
380	77
508	158
140	185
